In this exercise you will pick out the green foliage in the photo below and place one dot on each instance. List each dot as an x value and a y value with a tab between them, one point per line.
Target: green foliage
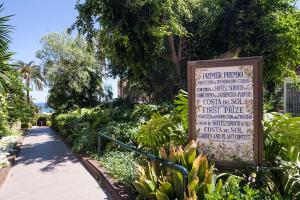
121	165
283	130
48	123
32	76
116	118
19	108
233	189
73	72
123	131
181	103
81	127
148	42
3	115
162	130
166	183
5	55
282	150
139	52
26	125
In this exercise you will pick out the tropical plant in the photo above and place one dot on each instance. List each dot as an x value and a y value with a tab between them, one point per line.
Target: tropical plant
233	189
161	130
167	183
32	76
3	115
18	107
161	182
181	107
282	151
5	55
81	127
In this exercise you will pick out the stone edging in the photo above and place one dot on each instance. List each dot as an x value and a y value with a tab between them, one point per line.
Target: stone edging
116	190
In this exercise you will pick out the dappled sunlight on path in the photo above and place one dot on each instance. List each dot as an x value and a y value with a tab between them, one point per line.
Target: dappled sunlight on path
47	169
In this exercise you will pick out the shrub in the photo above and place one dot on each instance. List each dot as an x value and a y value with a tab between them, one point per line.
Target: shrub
48	123
3	116
156	182
166	183
123	131
162	130
121	165
282	152
25	125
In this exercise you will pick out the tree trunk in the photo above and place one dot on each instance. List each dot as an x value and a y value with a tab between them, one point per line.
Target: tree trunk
27	90
175	59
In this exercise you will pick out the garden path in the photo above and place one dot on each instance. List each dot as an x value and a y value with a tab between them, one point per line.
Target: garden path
46	169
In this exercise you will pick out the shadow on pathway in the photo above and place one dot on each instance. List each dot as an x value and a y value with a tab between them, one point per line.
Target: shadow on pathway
47	169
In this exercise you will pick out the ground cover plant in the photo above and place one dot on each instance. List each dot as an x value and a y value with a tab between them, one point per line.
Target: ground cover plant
120	165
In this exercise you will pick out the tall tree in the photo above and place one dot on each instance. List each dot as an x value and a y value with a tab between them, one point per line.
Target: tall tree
73	72
146	39
32	75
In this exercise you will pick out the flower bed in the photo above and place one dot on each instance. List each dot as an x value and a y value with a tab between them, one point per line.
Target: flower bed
8	146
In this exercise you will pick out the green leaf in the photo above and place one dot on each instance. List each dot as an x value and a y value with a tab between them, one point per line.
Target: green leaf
150	184
178	184
161	196
166	188
141	188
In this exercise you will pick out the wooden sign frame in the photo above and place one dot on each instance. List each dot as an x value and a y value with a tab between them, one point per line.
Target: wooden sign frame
257	63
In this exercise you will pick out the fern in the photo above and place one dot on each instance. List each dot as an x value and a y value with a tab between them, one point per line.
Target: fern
161	130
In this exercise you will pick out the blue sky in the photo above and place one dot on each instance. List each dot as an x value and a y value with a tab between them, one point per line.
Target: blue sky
34	18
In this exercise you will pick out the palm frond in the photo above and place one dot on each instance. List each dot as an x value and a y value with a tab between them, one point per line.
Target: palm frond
31	73
5	55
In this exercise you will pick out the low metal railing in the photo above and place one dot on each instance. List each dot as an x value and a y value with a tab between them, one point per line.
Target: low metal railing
181	169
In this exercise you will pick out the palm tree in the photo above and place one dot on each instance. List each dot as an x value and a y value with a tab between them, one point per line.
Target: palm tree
5	55
32	75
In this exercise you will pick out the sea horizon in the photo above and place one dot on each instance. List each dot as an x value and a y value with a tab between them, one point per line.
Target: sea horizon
43	107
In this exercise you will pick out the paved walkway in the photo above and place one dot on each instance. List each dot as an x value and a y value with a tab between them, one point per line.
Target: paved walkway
46	169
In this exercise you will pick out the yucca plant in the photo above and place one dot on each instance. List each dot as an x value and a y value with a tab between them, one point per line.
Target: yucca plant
166	183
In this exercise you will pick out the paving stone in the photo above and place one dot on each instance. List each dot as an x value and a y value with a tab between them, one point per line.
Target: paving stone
46	169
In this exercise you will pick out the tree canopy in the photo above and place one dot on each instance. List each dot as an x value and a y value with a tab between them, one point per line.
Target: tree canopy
149	42
73	72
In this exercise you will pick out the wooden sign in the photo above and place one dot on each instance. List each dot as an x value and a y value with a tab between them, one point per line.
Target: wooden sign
225	109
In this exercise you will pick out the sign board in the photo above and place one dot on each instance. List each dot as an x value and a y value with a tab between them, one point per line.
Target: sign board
225	109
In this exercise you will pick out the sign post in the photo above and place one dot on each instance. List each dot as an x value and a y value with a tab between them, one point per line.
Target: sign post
225	109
